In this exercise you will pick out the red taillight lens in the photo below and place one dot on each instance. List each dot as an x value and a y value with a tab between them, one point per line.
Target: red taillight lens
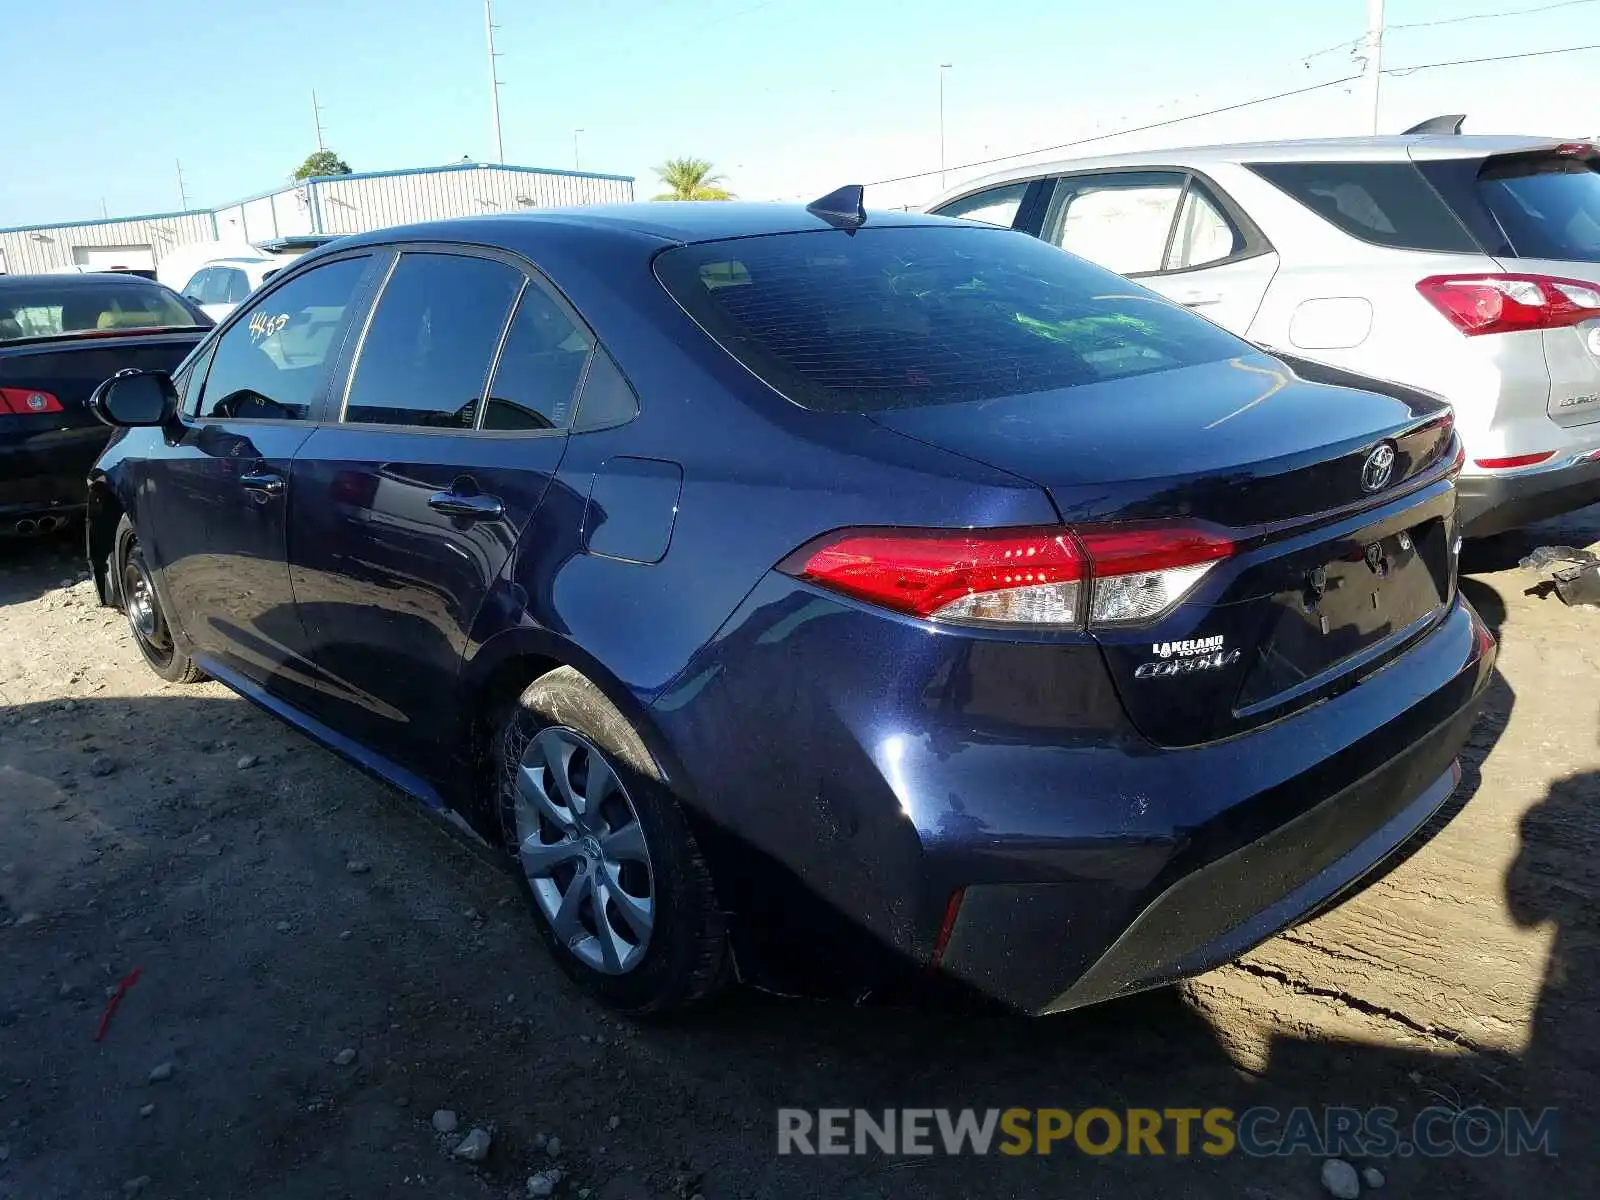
1478	304
1046	576
1516	460
27	400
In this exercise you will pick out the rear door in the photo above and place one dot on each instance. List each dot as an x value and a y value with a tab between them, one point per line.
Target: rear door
409	504
1171	230
214	503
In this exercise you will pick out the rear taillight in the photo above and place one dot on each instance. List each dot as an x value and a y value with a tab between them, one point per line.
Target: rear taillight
1516	460
1047	576
27	400
1478	304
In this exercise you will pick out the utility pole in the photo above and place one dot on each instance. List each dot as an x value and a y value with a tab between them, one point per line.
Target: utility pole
1372	64
183	192
575	165
943	67
316	119
494	81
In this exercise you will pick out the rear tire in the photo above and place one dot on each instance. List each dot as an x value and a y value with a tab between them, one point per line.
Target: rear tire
136	595
602	853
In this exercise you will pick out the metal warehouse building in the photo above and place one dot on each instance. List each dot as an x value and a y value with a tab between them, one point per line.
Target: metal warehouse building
326	204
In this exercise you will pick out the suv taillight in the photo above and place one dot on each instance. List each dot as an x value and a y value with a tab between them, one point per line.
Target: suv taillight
1477	304
1046	576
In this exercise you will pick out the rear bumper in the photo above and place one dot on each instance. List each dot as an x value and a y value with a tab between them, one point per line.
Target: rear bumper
1494	504
43	474
898	769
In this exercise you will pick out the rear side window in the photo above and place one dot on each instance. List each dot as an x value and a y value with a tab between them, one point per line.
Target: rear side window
540	367
912	316
1548	207
427	350
1386	203
1121	221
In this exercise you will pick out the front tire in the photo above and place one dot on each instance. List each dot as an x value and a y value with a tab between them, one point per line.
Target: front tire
603	855
136	594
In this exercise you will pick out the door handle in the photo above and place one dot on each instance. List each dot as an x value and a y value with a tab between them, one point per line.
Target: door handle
1200	299
263	481
475	507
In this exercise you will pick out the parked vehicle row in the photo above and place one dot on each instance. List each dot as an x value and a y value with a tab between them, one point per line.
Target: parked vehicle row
1465	265
891	587
60	336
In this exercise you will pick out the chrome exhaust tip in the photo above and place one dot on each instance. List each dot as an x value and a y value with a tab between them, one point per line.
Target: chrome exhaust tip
26	526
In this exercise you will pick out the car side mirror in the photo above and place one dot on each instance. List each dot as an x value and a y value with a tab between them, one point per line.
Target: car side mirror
134	399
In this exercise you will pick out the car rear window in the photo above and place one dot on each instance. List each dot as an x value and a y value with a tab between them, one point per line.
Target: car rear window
919	315
51	310
1547	206
1386	203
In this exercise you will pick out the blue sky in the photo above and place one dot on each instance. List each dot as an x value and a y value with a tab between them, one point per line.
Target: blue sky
789	97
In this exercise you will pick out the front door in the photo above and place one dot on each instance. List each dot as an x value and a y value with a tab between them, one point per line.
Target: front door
219	499
408	507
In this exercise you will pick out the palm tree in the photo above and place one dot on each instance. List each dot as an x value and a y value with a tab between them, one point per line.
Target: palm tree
691	179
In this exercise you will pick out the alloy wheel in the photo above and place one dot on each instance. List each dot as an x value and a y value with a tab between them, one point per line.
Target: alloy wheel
583	851
143	610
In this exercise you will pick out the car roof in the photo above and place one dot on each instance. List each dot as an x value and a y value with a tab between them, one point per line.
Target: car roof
1347	149
83	280
673	222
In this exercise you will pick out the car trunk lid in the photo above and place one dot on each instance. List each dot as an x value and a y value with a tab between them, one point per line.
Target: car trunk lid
70	369
1338	502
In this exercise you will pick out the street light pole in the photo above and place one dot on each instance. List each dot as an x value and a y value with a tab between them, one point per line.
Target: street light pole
575	133
943	67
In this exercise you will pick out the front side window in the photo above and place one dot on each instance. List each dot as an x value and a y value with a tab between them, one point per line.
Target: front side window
1119	221
237	286
196	287
540	366
271	362
1386	203
993	206
935	314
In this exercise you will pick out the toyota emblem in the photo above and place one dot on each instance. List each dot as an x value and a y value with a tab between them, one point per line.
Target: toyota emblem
1375	472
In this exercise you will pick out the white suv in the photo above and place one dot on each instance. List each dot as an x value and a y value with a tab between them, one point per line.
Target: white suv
1465	265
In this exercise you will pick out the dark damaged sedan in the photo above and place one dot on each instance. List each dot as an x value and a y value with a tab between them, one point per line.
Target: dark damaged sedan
766	580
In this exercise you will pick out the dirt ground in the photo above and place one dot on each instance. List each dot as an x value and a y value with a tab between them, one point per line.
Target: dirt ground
132	837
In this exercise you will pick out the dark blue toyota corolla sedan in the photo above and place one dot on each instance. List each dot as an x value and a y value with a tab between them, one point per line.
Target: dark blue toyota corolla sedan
762	577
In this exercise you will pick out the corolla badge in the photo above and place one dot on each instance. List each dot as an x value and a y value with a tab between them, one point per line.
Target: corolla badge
1375	472
1187	657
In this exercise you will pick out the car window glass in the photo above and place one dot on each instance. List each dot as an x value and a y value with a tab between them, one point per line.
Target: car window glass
540	366
993	206
270	362
1204	233
238	287
1121	223
215	289
1388	203
196	286
607	399
933	314
428	348
1549	207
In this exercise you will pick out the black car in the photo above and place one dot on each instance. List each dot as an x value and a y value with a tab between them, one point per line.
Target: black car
759	577
61	336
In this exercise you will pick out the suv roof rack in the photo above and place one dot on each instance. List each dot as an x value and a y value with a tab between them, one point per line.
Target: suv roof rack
1449	123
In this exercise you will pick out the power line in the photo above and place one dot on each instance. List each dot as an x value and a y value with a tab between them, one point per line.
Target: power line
1466	62
1226	108
1100	137
1494	16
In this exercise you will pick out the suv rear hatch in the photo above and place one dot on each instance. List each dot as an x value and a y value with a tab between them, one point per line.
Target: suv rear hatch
1537	213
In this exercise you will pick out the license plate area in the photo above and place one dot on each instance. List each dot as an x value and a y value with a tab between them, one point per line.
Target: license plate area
1364	594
